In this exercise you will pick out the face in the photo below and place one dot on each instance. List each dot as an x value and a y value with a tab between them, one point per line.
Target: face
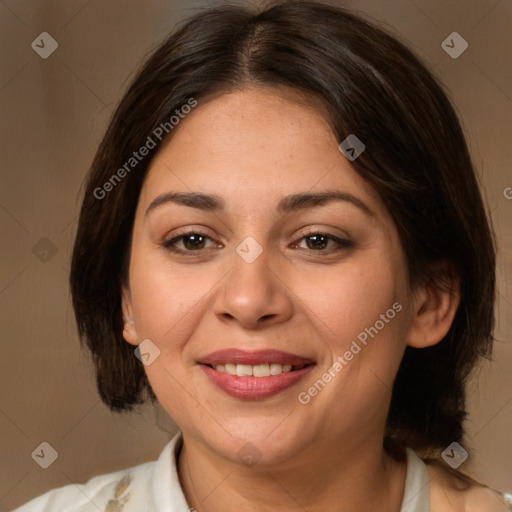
274	279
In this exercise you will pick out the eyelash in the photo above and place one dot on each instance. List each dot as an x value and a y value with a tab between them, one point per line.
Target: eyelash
342	243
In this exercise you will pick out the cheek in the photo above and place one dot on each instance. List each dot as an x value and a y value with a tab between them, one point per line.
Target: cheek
375	340
350	299
359	314
167	299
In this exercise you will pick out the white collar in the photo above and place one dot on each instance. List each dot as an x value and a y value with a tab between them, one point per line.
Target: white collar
417	485
167	493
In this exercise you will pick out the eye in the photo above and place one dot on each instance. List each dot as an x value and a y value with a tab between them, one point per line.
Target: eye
317	242
193	241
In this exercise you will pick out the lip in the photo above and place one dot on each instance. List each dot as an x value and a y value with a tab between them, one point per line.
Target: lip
254	388
237	356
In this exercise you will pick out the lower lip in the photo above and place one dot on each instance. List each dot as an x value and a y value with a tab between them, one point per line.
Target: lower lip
254	388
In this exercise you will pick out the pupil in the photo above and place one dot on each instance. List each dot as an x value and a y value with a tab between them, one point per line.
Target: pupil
317	237
197	238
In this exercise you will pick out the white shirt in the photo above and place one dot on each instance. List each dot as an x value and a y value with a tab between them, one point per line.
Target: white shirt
155	487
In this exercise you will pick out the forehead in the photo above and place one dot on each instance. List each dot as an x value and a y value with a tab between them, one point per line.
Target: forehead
253	147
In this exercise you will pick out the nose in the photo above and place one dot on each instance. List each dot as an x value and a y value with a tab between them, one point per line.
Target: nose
254	295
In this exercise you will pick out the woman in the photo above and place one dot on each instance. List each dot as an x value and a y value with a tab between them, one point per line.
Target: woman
283	241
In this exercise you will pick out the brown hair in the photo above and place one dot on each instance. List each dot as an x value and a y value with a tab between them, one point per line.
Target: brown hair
416	158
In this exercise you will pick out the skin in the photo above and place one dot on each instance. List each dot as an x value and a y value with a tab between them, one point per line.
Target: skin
252	147
448	494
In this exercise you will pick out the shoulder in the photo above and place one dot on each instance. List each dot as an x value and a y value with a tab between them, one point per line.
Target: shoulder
448	493
484	499
129	490
107	493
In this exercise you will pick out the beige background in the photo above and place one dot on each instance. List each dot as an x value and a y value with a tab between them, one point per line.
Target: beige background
54	112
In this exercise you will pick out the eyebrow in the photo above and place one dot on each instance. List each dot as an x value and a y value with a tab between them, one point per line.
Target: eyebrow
288	204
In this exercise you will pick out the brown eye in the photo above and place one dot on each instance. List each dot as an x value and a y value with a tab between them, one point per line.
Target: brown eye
317	242
192	242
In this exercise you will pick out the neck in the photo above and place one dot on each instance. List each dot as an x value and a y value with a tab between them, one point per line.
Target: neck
361	476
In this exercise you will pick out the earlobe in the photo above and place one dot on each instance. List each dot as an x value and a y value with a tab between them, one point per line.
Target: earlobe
435	308
129	329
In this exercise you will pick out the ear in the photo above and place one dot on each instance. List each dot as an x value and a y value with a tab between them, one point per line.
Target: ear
129	329
434	307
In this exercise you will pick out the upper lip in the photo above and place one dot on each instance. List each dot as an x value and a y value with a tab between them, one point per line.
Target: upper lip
237	356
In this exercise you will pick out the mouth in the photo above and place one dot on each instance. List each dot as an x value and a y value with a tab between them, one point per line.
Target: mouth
257	370
254	375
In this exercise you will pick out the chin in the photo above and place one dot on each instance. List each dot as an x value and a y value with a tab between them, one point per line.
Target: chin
269	441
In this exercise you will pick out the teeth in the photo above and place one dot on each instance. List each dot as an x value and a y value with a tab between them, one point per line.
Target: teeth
275	369
244	370
261	370
258	370
230	368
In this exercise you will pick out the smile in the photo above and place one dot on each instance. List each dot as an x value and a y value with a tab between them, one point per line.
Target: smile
258	370
254	375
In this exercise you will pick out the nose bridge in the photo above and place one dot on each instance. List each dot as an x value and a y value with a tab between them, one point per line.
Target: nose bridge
253	292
